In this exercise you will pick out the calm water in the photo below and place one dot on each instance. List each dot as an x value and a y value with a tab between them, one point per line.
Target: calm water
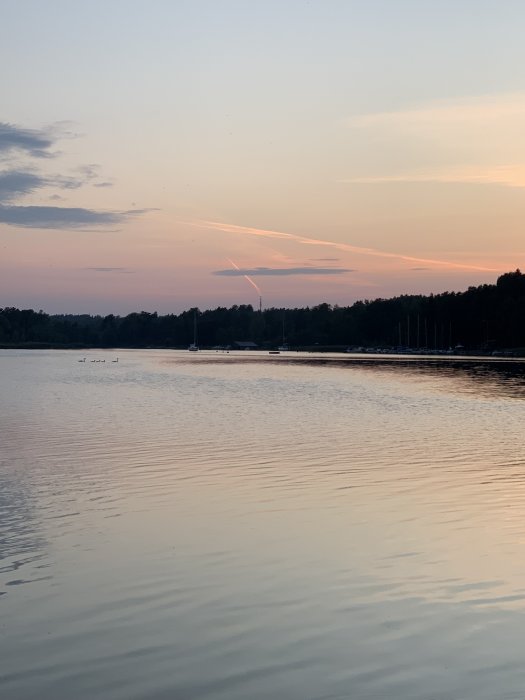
239	527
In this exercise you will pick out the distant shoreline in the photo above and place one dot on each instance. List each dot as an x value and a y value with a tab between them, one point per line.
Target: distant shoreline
514	353
486	321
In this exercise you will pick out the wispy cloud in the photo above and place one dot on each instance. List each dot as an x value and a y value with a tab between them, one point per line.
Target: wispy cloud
18	144
475	140
90	172
17	183
506	175
281	271
62	217
485	109
14	183
247	230
34	142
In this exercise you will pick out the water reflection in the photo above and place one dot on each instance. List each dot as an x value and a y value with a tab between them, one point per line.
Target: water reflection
477	375
22	544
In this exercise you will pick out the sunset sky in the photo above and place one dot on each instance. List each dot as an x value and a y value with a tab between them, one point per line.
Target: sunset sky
154	153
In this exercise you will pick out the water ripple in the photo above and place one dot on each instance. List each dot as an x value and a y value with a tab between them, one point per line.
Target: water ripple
241	526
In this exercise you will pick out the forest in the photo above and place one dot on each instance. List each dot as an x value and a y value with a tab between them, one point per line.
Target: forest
486	318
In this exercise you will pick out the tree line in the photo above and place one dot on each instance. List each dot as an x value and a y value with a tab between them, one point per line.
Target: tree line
482	318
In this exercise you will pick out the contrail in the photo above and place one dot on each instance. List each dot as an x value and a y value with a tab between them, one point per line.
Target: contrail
245	277
233	228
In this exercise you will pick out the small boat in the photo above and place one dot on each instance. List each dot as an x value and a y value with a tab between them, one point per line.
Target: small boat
274	352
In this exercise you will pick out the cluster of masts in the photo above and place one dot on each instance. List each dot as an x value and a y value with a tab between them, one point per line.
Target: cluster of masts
84	360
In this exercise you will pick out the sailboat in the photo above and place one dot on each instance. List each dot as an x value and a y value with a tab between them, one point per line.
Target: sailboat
194	347
284	346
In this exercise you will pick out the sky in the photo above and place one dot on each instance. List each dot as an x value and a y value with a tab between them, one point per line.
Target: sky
169	154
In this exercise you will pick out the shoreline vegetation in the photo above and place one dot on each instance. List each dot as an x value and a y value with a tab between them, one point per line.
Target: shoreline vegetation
484	320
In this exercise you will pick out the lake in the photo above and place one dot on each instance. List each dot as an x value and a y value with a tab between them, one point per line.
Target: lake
243	526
